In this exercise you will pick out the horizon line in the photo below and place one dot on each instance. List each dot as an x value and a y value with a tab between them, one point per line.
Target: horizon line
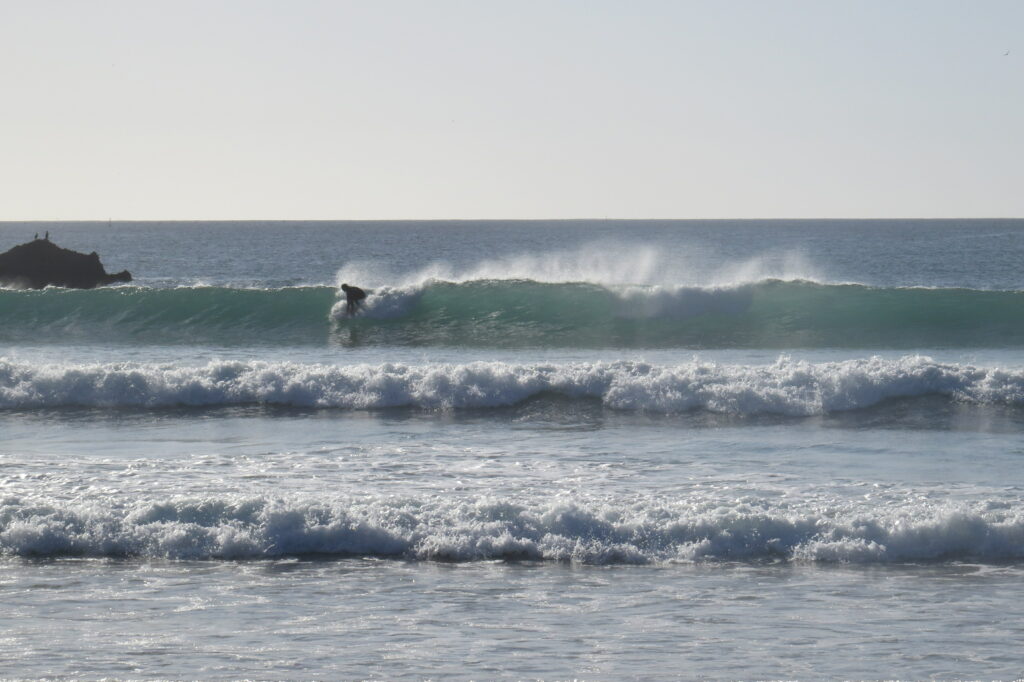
481	220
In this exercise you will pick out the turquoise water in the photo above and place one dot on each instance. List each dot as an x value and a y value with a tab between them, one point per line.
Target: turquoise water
502	314
600	450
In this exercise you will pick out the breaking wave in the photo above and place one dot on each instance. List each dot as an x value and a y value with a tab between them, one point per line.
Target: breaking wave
787	387
633	531
527	313
766	314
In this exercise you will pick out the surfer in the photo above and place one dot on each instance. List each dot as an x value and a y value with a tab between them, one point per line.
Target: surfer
354	296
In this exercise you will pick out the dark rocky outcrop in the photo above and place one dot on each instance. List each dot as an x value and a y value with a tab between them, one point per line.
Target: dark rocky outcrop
41	263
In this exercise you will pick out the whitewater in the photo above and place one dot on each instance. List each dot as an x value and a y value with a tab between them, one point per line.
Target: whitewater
543	449
795	388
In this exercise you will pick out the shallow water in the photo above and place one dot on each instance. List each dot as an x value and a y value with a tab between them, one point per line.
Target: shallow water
383	619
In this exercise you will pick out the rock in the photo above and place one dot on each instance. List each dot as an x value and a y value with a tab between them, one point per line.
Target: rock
40	263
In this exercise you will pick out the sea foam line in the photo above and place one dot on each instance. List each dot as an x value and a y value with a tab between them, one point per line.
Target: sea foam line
786	387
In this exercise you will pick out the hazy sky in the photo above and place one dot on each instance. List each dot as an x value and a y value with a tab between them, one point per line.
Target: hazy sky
223	109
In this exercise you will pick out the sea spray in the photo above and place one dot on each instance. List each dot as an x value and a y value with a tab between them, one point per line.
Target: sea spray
610	263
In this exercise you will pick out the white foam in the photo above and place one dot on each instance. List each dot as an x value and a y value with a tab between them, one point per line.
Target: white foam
442	528
786	387
385	302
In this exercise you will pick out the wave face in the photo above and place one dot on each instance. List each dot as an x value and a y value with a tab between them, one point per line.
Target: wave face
636	531
767	314
790	388
526	313
214	315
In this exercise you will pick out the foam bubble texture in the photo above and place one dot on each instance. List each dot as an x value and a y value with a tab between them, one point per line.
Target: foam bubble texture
787	387
594	532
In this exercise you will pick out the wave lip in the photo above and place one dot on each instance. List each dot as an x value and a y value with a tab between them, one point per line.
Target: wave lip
435	529
787	387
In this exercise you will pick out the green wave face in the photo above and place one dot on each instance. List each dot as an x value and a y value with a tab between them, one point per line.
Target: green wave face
520	314
168	316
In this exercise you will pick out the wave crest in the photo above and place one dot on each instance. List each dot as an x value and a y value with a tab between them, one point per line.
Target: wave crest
526	314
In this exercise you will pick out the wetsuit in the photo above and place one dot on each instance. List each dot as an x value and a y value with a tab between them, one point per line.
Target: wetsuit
353	296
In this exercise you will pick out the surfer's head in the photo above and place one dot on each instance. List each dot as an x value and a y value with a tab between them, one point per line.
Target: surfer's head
344	287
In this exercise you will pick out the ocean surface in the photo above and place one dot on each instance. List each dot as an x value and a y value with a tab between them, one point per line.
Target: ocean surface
543	450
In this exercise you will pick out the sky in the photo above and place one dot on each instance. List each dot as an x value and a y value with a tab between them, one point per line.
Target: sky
446	109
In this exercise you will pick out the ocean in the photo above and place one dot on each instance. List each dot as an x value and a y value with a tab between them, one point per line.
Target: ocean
543	450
